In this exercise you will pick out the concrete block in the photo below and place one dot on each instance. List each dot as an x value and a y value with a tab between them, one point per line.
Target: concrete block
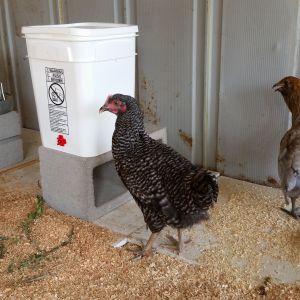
80	186
11	151
84	187
10	125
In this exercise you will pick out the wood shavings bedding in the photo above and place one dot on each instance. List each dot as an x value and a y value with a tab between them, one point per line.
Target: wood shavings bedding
90	268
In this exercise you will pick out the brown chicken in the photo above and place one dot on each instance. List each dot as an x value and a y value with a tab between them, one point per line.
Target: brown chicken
289	153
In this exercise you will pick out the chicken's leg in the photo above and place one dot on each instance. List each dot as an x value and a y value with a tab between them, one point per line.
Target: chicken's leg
180	241
148	249
294	211
178	244
286	199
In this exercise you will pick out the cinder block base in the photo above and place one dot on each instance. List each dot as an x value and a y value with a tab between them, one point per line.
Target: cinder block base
10	125
87	188
11	151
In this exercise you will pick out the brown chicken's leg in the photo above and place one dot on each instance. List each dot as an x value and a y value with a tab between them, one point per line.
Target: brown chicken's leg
286	199
295	210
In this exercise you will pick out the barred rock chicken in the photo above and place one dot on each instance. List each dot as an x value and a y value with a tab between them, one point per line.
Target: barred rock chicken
168	189
289	153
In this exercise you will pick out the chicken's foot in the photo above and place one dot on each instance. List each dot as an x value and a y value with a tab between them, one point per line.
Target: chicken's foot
147	250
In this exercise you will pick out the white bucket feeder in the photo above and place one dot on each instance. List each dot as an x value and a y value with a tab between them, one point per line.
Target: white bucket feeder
74	67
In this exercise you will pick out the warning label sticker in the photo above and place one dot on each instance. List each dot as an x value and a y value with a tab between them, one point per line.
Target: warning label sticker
57	103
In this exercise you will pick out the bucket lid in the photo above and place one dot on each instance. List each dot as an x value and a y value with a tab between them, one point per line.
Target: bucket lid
82	29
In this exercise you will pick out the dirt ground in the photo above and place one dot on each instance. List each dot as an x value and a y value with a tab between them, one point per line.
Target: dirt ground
49	255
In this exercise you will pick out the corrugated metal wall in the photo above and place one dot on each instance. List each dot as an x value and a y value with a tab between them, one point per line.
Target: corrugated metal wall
165	48
3	54
29	12
258	49
89	11
204	69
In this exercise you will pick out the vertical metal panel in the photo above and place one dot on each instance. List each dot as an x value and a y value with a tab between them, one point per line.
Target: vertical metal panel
30	12
118	11
296	68
53	12
213	101
11	60
90	11
4	59
258	44
130	11
62	17
165	70
207	20
207	76
197	86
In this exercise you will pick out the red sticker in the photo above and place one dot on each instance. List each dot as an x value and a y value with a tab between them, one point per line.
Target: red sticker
61	141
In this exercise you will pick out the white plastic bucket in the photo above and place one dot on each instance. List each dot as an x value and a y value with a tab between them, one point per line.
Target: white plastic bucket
74	67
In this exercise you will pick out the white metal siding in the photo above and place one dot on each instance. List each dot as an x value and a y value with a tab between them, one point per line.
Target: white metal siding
164	64
90	11
205	71
31	12
258	44
4	74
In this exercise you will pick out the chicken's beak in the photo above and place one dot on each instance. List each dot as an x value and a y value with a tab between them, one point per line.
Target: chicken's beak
103	109
277	86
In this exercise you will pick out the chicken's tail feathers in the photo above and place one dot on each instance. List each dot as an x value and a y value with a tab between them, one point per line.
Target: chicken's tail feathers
205	185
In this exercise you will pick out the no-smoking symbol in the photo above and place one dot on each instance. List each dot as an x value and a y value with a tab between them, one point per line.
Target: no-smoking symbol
56	94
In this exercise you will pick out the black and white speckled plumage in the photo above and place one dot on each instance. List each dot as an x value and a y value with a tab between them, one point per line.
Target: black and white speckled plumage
167	187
